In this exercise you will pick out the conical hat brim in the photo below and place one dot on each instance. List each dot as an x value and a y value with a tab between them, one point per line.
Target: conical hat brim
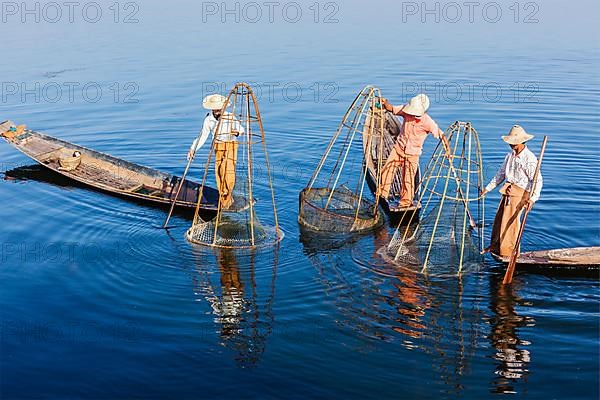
517	139
213	104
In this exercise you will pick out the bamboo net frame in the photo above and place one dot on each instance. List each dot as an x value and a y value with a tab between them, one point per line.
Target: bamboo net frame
451	184
330	203
237	225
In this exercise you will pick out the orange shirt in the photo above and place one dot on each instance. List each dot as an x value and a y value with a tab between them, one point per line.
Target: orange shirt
414	131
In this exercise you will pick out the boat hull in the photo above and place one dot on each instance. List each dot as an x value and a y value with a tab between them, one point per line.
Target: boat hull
110	174
578	261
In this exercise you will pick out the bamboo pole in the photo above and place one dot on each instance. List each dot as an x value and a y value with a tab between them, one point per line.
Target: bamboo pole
464	233
510	270
187	168
441	206
333	140
367	152
354	131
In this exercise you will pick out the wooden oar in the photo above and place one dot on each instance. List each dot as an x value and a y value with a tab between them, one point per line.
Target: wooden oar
510	270
181	182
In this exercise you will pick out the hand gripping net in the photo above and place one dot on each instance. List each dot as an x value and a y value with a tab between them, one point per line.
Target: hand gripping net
337	198
449	235
236	224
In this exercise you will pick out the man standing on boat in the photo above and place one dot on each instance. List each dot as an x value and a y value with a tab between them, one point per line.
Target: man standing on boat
518	170
225	143
405	154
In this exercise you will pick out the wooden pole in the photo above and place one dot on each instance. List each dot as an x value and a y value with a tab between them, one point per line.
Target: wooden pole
178	191
510	270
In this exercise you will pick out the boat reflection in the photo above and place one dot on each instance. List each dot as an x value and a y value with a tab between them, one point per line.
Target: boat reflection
38	173
240	300
511	352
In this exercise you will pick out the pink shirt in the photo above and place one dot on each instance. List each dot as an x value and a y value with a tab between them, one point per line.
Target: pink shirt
414	131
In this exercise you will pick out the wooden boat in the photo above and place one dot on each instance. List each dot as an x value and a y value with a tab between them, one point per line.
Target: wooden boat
108	173
391	205
573	260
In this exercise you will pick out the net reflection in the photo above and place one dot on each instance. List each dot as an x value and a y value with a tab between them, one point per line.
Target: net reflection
511	352
382	301
240	297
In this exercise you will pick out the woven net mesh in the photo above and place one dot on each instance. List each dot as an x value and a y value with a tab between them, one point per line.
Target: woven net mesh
338	197
233	230
238	148
443	245
448	239
337	211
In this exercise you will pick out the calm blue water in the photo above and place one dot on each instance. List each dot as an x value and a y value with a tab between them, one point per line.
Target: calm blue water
95	302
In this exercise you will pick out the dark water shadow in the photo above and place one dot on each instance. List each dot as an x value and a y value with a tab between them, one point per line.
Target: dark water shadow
39	173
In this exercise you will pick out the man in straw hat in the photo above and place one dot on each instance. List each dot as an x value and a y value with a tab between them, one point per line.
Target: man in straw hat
517	171
225	144
405	154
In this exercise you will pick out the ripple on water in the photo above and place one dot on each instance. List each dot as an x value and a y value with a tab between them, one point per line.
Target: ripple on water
381	301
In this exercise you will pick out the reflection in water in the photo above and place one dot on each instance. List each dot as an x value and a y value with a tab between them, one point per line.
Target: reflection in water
240	301
39	173
384	302
412	299
512	356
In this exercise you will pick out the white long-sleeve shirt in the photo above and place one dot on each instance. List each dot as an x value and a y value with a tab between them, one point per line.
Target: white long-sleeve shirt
228	131
519	169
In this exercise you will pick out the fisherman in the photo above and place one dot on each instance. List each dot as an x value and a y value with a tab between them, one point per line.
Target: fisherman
226	145
518	170
409	146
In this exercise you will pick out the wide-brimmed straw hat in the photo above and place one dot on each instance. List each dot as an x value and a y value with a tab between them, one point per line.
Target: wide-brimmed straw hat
417	106
517	135
214	102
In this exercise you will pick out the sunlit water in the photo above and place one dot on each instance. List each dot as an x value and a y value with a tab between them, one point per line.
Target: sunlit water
95	301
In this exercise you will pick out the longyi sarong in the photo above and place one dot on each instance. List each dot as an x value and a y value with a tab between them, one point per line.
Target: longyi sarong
508	220
225	170
409	165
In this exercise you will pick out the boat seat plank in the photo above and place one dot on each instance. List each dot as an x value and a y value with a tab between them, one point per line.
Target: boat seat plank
38	148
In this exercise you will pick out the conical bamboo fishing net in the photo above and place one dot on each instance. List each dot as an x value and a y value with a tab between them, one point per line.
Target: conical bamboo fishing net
337	198
236	224
449	238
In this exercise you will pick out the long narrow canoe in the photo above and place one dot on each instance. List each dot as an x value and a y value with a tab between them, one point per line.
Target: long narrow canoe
108	173
572	260
391	132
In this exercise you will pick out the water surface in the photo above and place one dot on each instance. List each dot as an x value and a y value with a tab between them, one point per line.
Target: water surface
96	302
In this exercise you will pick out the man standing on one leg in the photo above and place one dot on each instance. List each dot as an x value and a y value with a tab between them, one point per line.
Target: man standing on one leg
405	154
226	145
518	170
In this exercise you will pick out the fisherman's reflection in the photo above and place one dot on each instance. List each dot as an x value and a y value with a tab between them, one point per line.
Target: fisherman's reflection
241	307
229	308
511	352
387	301
412	298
